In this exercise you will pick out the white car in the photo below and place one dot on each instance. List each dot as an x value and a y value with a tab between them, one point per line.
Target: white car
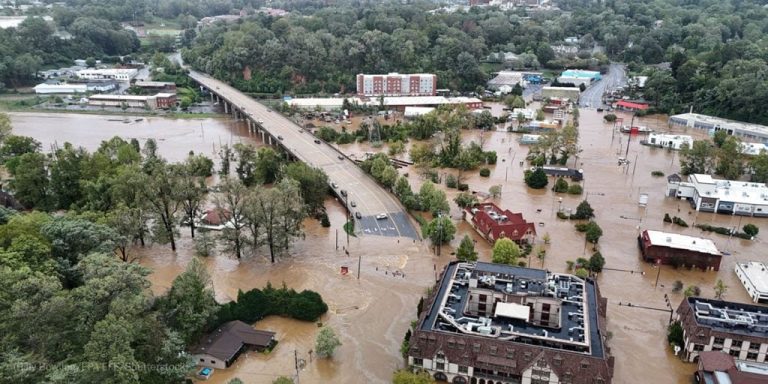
381	216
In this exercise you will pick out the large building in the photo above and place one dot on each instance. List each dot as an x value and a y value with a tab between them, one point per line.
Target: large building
679	250
581	74
664	140
570	93
119	74
711	124
158	101
398	103
396	84
718	367
754	276
60	88
497	324
221	348
722	196
740	330
492	223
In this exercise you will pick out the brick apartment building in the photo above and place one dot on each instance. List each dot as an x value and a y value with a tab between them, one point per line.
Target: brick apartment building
740	330
396	84
679	250
492	223
497	324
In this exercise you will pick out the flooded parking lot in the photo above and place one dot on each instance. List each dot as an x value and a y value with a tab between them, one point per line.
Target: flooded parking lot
371	314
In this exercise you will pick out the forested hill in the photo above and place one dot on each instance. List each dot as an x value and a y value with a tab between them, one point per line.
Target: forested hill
717	49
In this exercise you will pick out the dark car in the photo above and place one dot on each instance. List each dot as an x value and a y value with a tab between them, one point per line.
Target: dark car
358	215
279	137
341	157
343	193
353	204
317	141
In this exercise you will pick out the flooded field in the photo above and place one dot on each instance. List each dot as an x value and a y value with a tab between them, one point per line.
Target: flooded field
371	314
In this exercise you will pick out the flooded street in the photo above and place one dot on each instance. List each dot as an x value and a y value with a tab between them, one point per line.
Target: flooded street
372	314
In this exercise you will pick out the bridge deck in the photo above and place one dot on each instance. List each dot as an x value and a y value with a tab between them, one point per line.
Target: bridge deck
370	198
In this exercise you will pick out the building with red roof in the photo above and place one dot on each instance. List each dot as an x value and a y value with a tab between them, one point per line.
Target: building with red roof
632	106
492	223
719	367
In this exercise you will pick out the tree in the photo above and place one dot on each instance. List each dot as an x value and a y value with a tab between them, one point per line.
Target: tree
593	232
326	342
408	377
466	251
30	181
560	185
283	380
396	148
5	126
247	159
584	211
465	199
230	204
313	183
596	262
440	230
268	165
536	179
759	167
692	290
730	159
433	200
720	289
189	306
191	191
495	191
751	230
161	194
697	159
505	251
127	223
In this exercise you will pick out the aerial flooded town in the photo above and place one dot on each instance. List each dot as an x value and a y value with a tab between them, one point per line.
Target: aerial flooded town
407	192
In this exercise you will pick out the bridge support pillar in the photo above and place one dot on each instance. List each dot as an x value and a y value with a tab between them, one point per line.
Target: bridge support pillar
262	136
226	107
270	140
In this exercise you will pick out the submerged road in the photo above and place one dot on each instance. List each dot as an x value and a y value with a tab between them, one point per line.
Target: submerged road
592	97
364	195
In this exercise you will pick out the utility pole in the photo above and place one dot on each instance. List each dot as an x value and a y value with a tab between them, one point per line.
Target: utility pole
337	239
296	364
359	260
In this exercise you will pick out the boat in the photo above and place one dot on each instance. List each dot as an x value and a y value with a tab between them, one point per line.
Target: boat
139	119
635	129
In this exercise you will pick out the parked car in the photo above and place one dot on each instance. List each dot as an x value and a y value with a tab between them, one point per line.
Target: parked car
358	215
334	185
341	157
317	141
353	204
279	137
343	193
381	216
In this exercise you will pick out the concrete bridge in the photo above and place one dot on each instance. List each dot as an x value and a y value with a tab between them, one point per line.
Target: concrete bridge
363	194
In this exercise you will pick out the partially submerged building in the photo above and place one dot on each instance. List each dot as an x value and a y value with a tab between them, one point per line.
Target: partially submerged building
722	196
497	324
663	140
492	223
718	367
711	124
220	348
679	250
754	276
570	93
740	330
158	101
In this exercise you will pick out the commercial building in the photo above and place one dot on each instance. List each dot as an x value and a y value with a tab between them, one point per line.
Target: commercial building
679	250
718	367
754	276
663	140
512	78
753	149
394	103
60	88
572	173
722	196
158	101
492	223
627	105
222	347
740	330
119	74
746	131
411	112
157	86
498	324
576	81
570	93
396	84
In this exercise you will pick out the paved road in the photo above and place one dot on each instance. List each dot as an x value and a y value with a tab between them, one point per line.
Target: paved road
370	198
592	97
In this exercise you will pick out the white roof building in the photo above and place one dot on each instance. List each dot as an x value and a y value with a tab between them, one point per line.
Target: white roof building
668	141
120	74
47	89
678	241
417	111
747	131
754	277
392	101
753	149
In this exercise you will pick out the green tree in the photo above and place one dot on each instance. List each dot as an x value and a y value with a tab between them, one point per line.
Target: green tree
759	166
466	251
593	232
697	159
191	190
408	377
440	230
719	138
560	185
465	199
313	183
30	181
730	159
326	343
396	148
268	165
189	306
720	289
584	211
536	179
596	262
161	194
505	251
751	230
433	200
692	290
247	160
5	126
230	204
675	334
495	191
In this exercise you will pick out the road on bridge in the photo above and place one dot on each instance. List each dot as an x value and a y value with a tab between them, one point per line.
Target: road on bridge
592	97
367	196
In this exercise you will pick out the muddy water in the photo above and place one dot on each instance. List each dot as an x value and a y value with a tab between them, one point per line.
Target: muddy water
372	314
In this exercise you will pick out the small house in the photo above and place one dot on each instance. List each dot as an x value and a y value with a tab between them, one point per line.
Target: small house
220	348
492	223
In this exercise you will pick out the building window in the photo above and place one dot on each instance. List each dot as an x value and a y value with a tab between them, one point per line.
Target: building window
463	369
545	317
418	362
202	360
752	356
213	362
719	340
483	298
698	347
736	344
476	347
481	307
493	350
440	366
545	307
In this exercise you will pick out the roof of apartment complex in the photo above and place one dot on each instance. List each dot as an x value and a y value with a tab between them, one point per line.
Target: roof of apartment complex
748	321
722	368
678	241
732	190
757	274
495	223
390	101
511	339
712	122
228	339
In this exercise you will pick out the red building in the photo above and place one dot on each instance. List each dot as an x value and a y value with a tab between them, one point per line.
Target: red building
396	84
679	250
165	100
632	106
492	223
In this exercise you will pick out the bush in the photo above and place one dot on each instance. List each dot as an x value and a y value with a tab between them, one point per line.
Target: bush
463	187
575	189
560	185
451	181
677	286
751	230
490	157
583	211
254	305
657	174
680	222
536	179
609	117
485	172
596	262
562	215
675	333
324	221
667	219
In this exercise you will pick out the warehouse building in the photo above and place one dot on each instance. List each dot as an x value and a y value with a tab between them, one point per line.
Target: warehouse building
730	197
746	131
679	250
754	276
158	101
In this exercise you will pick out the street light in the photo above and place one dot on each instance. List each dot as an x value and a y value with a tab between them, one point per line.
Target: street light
560	208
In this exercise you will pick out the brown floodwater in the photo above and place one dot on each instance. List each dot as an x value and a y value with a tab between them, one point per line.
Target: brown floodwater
372	314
